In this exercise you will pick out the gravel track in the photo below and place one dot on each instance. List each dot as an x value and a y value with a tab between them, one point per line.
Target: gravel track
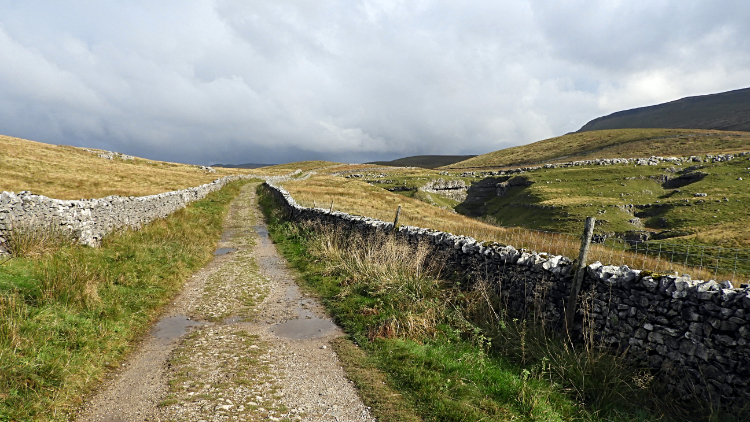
239	343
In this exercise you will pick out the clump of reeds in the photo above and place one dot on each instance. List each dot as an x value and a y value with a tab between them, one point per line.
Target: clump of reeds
407	294
594	373
12	313
32	238
67	277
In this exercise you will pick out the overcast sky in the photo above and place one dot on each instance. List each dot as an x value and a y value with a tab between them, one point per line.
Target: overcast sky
270	81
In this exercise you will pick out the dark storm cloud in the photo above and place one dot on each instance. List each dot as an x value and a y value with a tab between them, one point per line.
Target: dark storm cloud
258	81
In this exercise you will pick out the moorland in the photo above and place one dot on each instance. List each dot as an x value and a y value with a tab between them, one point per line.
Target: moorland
71	313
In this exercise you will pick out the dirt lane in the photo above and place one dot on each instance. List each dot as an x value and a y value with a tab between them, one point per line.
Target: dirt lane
239	343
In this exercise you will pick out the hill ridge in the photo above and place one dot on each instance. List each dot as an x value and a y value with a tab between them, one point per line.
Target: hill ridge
728	110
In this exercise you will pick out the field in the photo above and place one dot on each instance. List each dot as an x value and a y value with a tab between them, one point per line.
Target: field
693	215
65	172
421	347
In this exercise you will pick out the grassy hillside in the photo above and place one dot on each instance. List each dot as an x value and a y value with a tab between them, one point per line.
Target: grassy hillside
615	143
659	200
358	197
243	166
559	199
66	172
724	111
280	169
425	161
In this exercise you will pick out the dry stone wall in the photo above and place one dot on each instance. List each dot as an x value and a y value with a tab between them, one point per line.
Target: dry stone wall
89	220
650	161
694	333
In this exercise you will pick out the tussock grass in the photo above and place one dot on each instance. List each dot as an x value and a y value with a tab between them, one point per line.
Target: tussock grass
404	288
29	238
68	316
66	172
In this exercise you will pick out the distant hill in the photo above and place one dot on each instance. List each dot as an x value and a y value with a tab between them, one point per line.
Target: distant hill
424	161
725	111
242	166
613	143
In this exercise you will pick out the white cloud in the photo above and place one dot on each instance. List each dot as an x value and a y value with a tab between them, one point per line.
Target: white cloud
247	81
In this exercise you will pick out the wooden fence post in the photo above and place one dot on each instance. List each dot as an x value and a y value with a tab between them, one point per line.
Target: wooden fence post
395	221
331	211
575	288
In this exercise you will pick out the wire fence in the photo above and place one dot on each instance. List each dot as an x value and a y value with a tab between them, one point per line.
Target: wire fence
700	261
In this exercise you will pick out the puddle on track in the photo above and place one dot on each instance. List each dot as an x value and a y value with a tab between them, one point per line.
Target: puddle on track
174	327
263	233
227	236
224	251
307	325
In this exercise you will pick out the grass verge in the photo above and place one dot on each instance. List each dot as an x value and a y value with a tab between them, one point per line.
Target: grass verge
386	404
450	354
69	315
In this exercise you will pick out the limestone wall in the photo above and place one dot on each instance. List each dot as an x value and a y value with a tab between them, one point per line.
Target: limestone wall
89	220
694	332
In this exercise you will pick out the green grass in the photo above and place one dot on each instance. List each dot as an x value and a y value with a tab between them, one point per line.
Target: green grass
385	403
69	316
433	343
613	143
560	199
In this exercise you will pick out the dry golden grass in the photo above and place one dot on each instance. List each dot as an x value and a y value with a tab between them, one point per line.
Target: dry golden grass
282	169
360	198
614	143
728	235
375	168
66	172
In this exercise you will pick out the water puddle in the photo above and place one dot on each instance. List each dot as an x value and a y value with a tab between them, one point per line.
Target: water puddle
233	320
307	326
224	251
227	236
263	233
174	327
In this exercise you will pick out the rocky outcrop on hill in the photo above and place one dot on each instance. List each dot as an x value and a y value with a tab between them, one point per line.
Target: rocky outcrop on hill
451	189
502	187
